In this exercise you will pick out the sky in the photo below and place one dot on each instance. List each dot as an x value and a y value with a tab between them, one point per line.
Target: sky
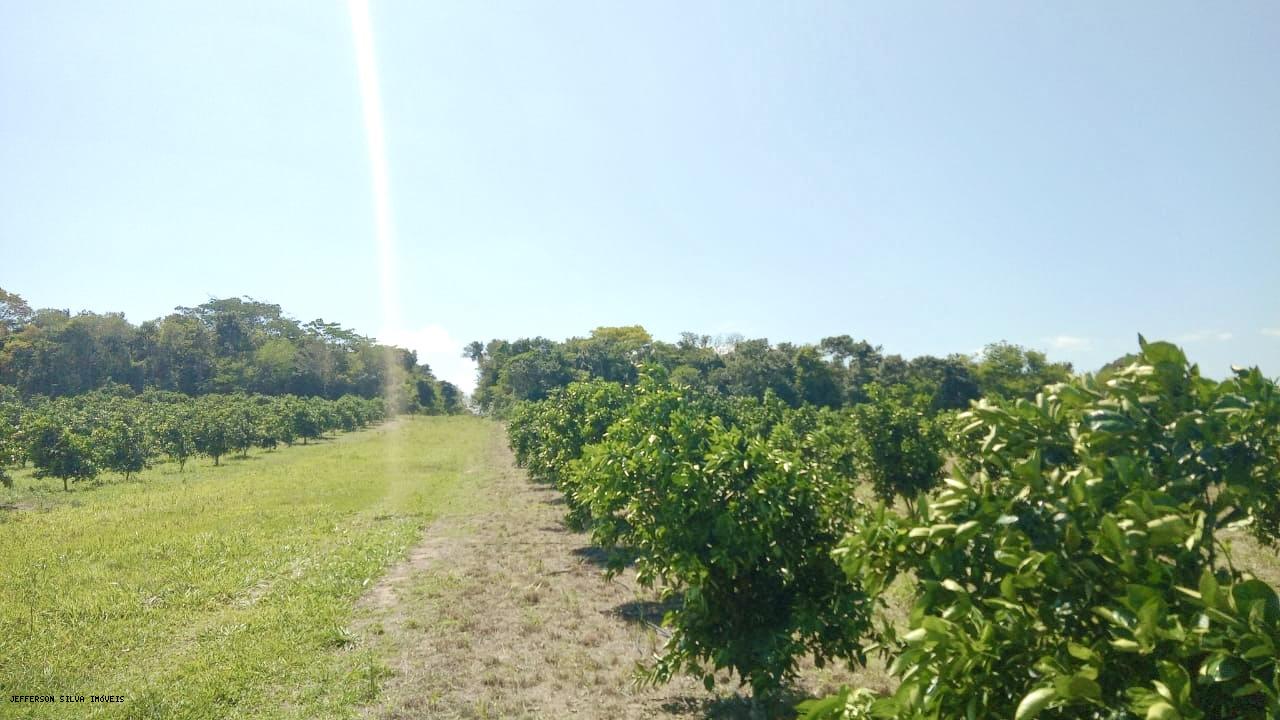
929	176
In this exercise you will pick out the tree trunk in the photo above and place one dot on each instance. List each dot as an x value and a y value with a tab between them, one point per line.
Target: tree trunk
65	487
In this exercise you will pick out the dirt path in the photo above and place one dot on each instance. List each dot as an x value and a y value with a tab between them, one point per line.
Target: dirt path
503	613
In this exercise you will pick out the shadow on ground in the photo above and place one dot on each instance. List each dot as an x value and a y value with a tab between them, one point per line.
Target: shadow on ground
735	707
604	558
645	611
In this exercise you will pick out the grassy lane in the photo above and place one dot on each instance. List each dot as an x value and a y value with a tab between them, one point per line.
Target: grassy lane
220	592
505	613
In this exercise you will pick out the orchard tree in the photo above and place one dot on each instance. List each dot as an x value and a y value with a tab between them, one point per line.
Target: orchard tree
347	413
212	433
899	448
723	504
173	431
1081	567
301	420
9	443
242	425
280	417
122	445
268	429
308	421
56	451
12	451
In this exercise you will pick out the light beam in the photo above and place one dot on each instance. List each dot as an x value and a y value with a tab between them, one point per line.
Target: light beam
371	101
384	231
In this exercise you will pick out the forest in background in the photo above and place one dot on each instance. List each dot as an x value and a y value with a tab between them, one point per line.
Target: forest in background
229	345
836	372
225	345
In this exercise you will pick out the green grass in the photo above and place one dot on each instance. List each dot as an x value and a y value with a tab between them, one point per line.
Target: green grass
220	591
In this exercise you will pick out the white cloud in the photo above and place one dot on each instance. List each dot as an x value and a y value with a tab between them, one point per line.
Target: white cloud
437	348
1069	342
1273	332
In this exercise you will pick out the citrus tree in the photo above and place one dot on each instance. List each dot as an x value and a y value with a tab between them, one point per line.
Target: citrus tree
1081	566
57	450
547	436
899	447
122	444
12	451
173	427
735	526
212	433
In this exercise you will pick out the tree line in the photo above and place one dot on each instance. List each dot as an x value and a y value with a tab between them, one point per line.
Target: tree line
1063	555
836	372
227	345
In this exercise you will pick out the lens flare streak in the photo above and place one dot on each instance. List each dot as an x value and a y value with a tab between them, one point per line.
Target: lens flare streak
371	101
375	134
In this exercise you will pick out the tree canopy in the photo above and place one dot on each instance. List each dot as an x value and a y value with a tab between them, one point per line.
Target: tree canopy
225	345
836	372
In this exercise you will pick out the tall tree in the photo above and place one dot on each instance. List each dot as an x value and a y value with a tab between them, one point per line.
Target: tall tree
1012	371
14	313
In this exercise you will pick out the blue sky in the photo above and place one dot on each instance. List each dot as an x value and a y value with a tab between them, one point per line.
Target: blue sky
931	177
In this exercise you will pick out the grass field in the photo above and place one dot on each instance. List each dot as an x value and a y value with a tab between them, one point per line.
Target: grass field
220	591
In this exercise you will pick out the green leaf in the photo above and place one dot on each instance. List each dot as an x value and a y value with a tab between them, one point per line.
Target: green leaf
968	530
1034	702
1077	686
1161	353
1250	592
820	709
1249	688
942	530
915	636
1163	711
1222	668
1111	531
1170	529
1208	587
1081	652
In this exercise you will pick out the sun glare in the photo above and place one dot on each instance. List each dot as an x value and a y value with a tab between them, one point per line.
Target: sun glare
371	100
